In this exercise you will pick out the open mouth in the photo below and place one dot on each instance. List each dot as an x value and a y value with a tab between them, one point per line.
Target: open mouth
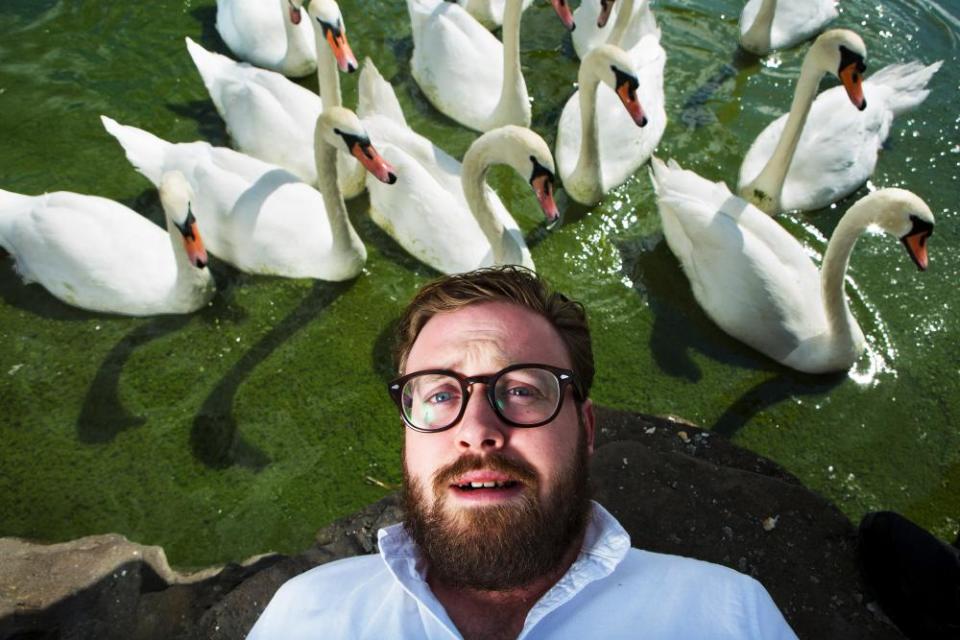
474	486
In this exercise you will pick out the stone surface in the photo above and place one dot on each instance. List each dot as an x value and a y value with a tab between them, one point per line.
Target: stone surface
676	488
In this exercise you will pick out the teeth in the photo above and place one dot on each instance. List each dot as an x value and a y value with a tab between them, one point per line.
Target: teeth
486	485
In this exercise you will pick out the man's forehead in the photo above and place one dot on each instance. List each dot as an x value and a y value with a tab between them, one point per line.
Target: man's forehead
498	333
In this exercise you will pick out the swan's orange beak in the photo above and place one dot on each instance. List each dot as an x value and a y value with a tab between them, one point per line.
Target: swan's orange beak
372	161
542	183
337	39
916	244
627	91
564	13
193	243
294	13
852	78
606	6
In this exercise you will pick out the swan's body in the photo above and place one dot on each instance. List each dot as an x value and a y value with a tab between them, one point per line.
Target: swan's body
838	51
624	25
442	212
759	284
463	70
838	150
273	119
489	13
766	25
263	33
97	254
257	216
599	142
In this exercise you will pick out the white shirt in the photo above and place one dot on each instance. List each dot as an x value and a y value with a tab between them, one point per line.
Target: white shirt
610	591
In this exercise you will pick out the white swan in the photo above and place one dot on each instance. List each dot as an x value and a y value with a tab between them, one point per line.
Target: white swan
269	34
443	213
271	118
463	70
758	283
620	22
838	151
840	52
97	254
766	25
604	134
259	217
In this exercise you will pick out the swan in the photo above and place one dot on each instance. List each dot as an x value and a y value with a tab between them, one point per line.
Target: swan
269	34
839	151
842	53
766	25
758	282
271	118
259	217
463	70
632	20
97	254
599	142
442	212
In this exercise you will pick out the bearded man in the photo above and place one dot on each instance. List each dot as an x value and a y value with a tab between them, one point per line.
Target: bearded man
500	538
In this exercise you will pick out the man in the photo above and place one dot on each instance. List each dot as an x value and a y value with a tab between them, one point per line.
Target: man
500	538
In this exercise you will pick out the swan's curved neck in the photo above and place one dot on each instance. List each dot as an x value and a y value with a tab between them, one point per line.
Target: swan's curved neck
587	171
625	13
833	271
513	106
327	79
757	36
297	47
765	189
343	232
477	161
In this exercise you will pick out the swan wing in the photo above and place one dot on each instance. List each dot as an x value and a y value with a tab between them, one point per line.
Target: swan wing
793	22
457	63
267	116
748	273
587	36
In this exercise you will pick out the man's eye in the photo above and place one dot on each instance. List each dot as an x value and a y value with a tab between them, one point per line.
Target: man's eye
523	392
440	397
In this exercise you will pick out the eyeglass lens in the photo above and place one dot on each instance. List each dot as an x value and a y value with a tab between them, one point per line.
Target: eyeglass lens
523	396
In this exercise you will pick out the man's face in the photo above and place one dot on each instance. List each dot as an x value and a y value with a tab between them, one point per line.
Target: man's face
539	473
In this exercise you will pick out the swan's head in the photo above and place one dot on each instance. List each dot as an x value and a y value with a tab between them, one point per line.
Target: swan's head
612	66
606	6
529	155
341	129
326	16
904	215
175	196
294	10
842	53
562	7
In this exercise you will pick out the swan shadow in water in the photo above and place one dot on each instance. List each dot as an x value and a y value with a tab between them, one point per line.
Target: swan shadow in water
214	437
787	384
694	113
679	324
209	123
209	36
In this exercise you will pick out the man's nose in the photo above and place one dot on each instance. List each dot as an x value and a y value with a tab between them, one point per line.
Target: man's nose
480	429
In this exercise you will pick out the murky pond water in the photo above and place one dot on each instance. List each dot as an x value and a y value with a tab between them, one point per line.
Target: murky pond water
245	427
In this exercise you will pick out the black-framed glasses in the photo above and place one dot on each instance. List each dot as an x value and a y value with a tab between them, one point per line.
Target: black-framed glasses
522	395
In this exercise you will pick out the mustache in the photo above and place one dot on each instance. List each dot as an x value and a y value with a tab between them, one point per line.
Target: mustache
519	470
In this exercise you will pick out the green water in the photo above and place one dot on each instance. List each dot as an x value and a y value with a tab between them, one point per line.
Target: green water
246	427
